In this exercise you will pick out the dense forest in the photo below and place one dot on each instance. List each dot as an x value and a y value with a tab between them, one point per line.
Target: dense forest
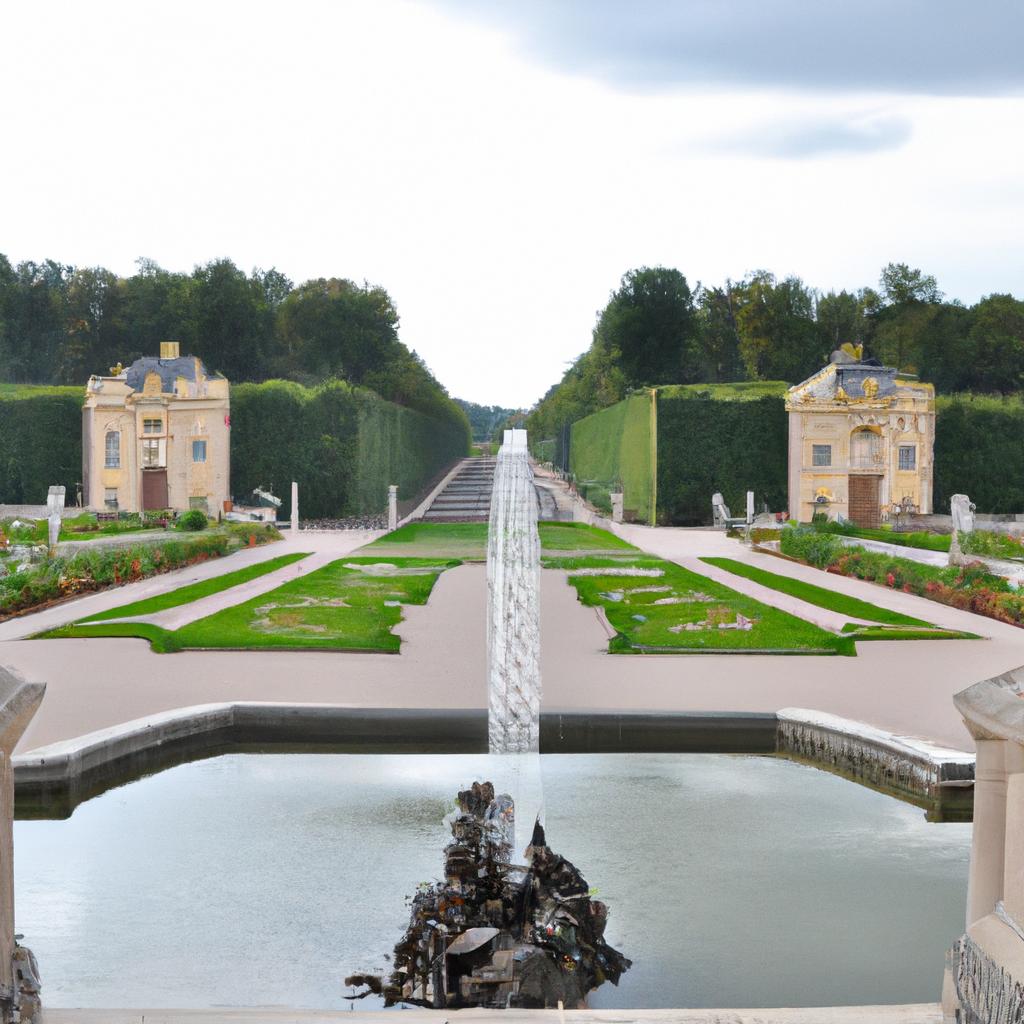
484	420
656	329
59	324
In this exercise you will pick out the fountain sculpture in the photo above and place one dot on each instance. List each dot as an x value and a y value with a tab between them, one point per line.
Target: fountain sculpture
513	923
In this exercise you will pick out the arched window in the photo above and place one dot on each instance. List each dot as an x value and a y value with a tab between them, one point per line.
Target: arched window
866	449
113	450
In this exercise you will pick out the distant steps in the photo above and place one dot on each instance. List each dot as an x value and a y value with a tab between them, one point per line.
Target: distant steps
466	498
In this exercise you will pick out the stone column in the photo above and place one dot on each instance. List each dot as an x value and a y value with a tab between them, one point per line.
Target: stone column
18	703
988	837
295	509
393	507
617	499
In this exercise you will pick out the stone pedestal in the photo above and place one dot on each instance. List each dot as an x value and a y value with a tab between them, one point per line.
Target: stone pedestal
392	507
750	507
18	992
617	499
295	508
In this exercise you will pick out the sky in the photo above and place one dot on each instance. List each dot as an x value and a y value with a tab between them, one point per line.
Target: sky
497	167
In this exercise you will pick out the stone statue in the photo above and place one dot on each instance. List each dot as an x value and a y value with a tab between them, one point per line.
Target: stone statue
963	513
54	505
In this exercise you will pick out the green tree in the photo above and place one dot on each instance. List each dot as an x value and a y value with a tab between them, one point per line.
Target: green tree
997	340
651	324
901	284
779	339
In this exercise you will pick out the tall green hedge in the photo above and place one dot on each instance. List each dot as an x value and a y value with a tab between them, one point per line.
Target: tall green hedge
343	445
979	451
612	449
708	444
40	442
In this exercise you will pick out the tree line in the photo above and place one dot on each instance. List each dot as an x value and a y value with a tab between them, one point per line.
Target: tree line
656	329
59	324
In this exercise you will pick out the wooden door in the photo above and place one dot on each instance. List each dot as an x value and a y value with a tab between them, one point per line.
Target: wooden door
864	506
154	488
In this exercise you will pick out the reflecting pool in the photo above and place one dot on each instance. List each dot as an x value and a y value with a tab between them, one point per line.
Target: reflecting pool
263	879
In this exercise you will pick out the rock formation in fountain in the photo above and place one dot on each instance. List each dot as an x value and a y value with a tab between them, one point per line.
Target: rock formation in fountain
513	615
495	935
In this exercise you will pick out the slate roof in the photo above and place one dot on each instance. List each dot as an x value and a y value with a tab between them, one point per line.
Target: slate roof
168	369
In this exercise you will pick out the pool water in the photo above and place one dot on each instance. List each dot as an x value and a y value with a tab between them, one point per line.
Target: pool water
264	879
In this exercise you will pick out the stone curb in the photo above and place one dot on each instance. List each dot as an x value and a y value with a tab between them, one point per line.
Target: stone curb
54	779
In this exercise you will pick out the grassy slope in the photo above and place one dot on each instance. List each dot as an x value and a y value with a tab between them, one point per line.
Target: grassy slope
812	594
194	591
773	630
334	608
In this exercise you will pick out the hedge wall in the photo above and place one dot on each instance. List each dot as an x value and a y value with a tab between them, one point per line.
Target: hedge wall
708	444
344	445
40	442
979	451
612	448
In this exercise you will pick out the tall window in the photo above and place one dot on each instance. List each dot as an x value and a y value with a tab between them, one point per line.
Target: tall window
821	455
198	451
150	454
152	426
908	456
113	460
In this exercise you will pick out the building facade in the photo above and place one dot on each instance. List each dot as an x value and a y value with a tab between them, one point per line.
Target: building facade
157	436
861	439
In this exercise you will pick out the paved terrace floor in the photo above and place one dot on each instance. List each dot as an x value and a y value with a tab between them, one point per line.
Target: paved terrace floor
902	686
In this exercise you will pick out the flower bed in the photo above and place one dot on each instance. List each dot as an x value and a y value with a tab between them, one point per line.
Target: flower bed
971	588
90	570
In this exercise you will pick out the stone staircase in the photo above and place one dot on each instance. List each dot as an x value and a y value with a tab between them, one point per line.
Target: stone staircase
467	496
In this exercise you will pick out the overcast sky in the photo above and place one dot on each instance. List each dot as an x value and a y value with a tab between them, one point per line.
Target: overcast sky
498	166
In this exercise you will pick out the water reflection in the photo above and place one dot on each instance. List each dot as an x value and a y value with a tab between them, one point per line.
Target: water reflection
265	879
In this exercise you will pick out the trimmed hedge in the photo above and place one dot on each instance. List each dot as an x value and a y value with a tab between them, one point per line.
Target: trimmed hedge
344	445
979	451
40	442
612	449
707	444
734	438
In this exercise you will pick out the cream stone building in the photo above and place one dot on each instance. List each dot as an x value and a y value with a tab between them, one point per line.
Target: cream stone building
157	436
860	442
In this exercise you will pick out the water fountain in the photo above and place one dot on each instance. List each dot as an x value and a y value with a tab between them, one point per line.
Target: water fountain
513	923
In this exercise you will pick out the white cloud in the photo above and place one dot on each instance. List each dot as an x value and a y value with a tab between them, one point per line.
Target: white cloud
498	202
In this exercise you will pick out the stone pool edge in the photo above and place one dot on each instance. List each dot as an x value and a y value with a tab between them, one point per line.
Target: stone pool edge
51	781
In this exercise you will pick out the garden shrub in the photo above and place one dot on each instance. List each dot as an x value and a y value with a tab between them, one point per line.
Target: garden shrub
810	545
192	520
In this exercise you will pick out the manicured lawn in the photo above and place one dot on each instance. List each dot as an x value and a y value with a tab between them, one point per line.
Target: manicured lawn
194	591
579	537
678	611
812	594
904	633
351	604
468	541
